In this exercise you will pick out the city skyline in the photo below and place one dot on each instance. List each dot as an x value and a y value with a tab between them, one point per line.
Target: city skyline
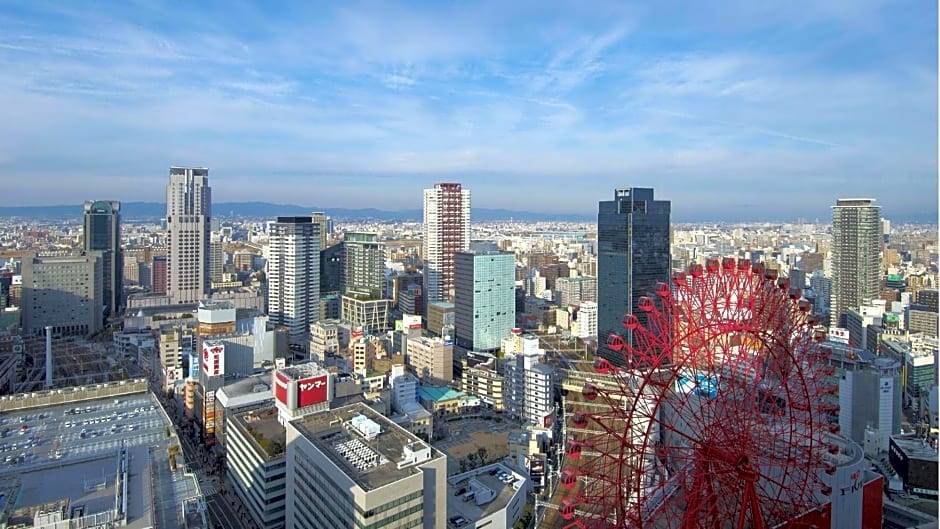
758	112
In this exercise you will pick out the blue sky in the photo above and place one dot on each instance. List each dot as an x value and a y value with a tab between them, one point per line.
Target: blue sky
737	110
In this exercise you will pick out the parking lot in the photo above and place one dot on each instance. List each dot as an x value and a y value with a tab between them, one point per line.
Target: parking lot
78	430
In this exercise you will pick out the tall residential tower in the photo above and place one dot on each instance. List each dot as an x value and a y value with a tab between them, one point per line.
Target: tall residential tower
632	256
856	255
446	232
102	233
363	264
294	275
188	212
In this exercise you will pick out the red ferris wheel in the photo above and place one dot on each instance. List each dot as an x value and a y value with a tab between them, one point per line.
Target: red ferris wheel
719	419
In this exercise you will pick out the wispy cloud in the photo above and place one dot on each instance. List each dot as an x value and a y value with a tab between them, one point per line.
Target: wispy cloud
506	97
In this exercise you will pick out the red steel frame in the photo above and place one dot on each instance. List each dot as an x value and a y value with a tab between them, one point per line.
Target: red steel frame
718	419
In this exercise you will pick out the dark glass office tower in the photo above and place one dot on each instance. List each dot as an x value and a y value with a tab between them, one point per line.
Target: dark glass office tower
102	233
632	256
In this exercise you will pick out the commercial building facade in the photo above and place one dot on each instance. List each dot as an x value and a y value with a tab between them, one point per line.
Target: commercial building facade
351	467
431	359
484	299
102	233
65	293
364	264
256	464
633	255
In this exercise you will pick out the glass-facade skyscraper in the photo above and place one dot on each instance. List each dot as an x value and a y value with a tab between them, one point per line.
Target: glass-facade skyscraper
102	233
484	299
633	255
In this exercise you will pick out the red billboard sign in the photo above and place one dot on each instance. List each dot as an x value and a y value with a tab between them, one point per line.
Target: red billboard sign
312	390
280	387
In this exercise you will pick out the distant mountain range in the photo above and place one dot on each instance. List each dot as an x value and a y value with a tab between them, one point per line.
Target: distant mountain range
138	211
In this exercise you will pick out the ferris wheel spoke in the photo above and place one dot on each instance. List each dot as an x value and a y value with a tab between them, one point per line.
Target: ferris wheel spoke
717	412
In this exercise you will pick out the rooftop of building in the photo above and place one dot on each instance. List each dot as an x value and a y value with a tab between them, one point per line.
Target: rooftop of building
371	450
845	353
439	393
209	304
491	491
915	447
68	456
253	388
299	371
263	426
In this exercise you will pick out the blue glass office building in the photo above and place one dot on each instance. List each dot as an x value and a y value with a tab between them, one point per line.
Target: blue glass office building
632	256
484	299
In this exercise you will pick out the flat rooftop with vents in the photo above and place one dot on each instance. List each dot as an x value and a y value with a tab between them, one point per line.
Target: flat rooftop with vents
493	491
372	450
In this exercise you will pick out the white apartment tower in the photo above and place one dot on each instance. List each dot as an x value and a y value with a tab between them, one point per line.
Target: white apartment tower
294	275
856	255
587	319
188	211
446	232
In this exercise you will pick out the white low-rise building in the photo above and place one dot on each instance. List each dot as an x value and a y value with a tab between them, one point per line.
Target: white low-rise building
492	496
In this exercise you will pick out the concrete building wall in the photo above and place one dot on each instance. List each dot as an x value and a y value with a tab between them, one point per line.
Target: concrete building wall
65	293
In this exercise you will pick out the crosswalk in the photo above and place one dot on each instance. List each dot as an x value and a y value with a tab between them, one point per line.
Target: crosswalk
208	489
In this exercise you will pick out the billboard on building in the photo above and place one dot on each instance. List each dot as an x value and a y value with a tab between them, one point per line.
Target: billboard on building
193	367
213	359
280	387
839	335
312	390
411	321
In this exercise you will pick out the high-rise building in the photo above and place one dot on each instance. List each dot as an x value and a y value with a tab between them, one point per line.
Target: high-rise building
331	269
633	255
822	292
351	467
856	257
325	224
64	293
188	213
484	299
869	394
364	264
102	233
294	275
573	290
216	258
446	232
